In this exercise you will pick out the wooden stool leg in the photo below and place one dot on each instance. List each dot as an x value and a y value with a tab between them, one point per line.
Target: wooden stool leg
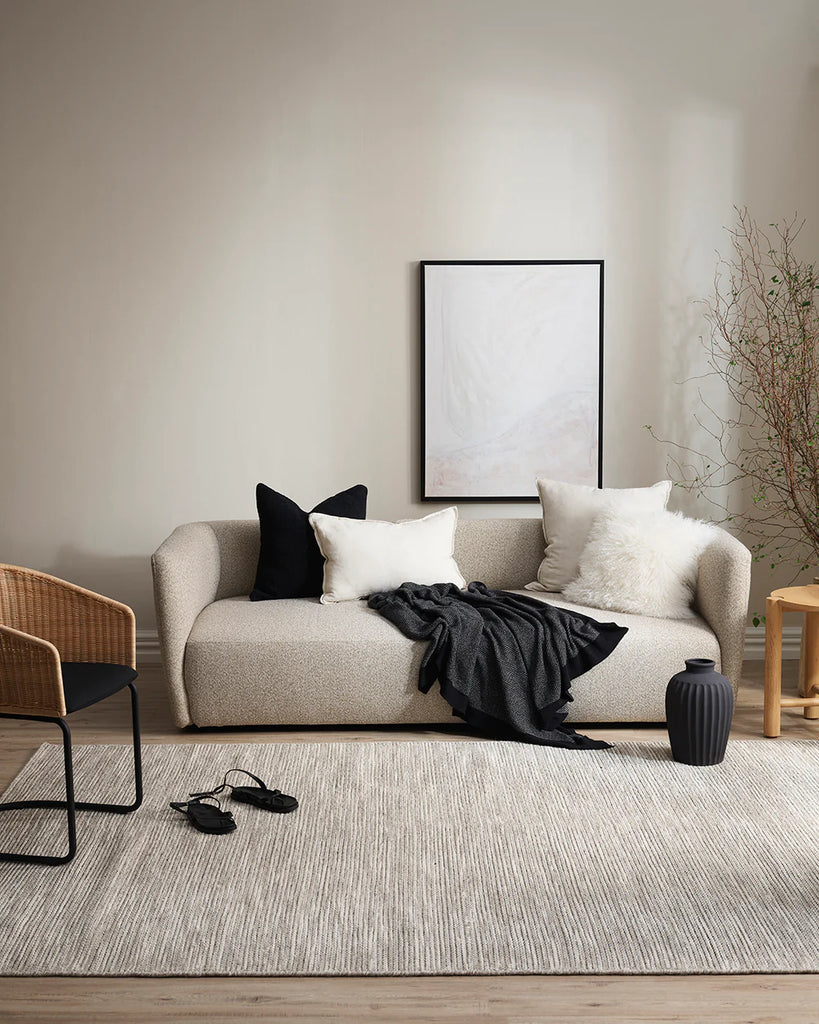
802	691
773	666
809	662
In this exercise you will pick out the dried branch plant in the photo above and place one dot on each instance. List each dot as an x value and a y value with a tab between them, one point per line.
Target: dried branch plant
763	346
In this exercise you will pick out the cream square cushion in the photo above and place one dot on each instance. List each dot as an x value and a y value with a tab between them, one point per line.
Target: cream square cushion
364	556
568	513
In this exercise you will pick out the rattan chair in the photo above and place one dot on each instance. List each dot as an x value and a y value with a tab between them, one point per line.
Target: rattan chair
63	648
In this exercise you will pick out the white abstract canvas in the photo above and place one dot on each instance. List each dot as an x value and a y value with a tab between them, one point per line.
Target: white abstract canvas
512	388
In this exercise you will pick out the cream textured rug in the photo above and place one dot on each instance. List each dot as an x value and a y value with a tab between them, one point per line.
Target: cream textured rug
426	858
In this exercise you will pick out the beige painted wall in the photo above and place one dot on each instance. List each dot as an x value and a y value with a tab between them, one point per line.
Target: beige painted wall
212	213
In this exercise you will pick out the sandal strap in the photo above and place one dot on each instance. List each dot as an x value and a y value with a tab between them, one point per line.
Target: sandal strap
244	772
207	792
182	807
227	785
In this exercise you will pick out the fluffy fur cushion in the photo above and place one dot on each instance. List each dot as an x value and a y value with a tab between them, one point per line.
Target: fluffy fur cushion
568	513
641	562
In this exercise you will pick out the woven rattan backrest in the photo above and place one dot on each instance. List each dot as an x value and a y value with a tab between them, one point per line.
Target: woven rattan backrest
82	625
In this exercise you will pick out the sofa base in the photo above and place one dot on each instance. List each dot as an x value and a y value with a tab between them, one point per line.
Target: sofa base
301	663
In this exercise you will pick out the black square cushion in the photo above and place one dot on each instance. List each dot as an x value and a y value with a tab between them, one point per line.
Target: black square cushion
86	682
290	563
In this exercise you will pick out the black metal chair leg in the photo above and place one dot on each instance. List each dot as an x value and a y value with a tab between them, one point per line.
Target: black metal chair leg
125	808
70	805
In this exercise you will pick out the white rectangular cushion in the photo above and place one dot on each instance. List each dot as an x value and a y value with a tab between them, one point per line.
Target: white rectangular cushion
366	556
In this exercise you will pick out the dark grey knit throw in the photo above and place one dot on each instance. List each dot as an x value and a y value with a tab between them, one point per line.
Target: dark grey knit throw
505	662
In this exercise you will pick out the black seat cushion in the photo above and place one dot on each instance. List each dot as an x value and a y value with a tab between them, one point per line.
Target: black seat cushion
290	563
86	682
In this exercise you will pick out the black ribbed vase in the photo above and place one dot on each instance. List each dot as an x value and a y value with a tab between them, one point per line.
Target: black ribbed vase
699	706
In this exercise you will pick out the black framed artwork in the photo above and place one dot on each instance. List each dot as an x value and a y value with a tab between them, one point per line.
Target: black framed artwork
511	377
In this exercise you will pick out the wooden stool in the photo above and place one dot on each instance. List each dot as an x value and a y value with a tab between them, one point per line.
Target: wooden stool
791	599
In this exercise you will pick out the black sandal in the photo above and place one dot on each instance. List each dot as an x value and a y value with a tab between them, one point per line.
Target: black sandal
206	817
259	796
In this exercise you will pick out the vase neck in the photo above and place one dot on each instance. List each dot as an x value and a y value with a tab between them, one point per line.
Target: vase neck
700	664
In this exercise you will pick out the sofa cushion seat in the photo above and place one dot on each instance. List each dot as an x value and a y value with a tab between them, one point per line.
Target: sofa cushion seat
646	658
298	662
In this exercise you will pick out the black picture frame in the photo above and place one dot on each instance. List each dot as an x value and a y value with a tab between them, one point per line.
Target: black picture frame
426	267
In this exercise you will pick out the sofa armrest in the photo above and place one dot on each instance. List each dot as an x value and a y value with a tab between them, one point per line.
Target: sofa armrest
186	569
723	587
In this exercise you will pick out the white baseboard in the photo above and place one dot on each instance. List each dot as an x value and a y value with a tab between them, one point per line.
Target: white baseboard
147	647
755	642
148	644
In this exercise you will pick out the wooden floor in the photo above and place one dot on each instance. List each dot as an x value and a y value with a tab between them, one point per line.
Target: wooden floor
765	999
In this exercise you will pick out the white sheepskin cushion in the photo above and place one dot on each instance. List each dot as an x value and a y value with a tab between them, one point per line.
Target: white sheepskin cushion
568	513
641	562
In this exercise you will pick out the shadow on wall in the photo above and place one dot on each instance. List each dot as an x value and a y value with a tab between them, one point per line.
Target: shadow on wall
704	144
686	369
123	578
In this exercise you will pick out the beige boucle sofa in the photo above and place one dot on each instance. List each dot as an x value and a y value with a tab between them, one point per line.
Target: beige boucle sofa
230	661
